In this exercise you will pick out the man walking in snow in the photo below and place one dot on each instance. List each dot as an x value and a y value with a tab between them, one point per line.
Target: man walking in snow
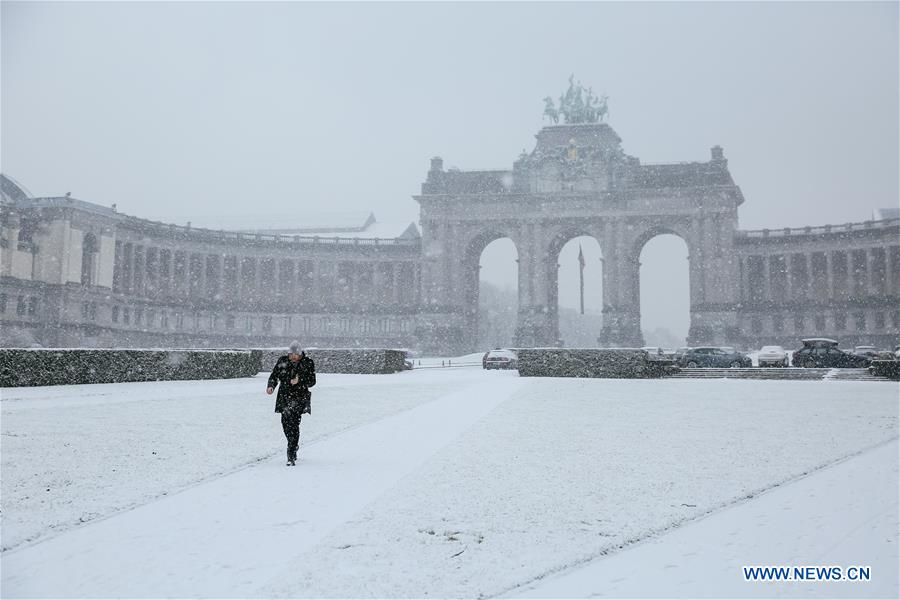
294	374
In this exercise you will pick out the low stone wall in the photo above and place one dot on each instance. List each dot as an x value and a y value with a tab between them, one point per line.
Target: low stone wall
345	360
616	363
64	366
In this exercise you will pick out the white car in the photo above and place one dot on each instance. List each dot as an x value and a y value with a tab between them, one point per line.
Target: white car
655	353
772	356
500	359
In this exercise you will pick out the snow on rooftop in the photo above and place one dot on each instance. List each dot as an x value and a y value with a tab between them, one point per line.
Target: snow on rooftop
327	225
297	220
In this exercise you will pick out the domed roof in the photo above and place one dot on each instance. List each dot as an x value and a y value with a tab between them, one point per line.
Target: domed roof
12	191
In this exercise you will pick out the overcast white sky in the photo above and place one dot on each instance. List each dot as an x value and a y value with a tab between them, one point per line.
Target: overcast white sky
186	111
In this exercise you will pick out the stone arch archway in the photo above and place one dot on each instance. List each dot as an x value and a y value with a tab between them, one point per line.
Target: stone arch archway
474	248
544	320
598	190
673	290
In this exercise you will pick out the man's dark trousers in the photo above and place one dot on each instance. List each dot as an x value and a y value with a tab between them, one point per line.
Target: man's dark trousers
290	422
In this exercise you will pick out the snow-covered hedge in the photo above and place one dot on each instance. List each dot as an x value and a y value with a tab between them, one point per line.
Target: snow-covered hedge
29	367
886	368
588	362
346	360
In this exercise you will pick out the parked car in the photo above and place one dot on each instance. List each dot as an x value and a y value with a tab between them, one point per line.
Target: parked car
485	357
655	353
824	352
501	359
713	357
772	356
870	351
679	352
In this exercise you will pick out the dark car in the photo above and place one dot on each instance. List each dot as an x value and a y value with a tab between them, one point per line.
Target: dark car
824	352
828	356
713	357
500	359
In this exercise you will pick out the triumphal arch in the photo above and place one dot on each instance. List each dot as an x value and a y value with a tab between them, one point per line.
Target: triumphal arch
579	182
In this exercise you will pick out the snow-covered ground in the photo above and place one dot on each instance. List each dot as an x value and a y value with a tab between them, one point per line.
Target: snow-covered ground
440	482
836	516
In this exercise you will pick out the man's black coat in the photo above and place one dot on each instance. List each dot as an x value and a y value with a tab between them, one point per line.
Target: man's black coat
288	393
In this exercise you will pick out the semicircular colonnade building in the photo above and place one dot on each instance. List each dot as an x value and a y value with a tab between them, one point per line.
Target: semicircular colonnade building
74	273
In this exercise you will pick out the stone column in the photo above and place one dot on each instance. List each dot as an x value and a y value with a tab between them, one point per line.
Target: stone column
808	262
523	249
745	279
395	283
889	270
140	270
257	290
767	278
127	280
276	278
187	274
354	283
379	292
219	285
788	277
319	291
294	291
306	280
695	265
417	283
118	264
829	275
870	279
164	265
204	276
534	327
151	281
621	287
851	276
705	255
446	260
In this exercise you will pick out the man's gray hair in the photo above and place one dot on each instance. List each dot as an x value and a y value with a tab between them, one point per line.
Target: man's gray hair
295	348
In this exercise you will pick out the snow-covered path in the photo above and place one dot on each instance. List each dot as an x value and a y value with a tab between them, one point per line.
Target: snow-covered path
440	482
225	537
844	515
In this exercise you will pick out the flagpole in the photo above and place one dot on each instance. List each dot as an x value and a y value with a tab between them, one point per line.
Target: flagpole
581	276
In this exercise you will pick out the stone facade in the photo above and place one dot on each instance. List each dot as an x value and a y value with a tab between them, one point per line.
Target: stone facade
78	274
841	282
74	273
